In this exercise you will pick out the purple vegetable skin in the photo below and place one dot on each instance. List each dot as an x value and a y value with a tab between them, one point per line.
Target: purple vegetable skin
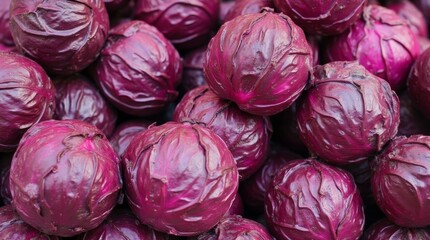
78	98
179	178
412	15
247	136
138	69
347	114
381	41
125	132
186	23
259	61
400	181
243	7
255	188
65	177
322	17
384	229
62	36
123	225
27	96
5	35
12	227
311	200
419	82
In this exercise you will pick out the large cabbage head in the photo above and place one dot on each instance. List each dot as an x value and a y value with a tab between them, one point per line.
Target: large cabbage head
27	96
179	178
381	41
348	113
419	83
138	69
259	61
312	200
65	177
400	181
63	36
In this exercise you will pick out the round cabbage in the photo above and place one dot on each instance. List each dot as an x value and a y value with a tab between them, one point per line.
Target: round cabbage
27	96
64	177
193	75
179	178
63	36
419	83
400	181
243	7
412	15
5	35
384	229
259	61
122	225
237	227
255	188
348	113
188	24
77	98
12	227
381	41
125	132
138	69
322	17
311	200
246	135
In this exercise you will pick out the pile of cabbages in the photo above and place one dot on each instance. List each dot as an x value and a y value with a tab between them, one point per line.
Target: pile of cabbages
210	119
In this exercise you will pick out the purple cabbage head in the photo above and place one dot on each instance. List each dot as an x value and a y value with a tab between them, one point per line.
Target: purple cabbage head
348	113
65	177
246	135
78	98
138	69
5	35
400	181
237	227
243	7
311	200
193	75
123	225
12	227
125	132
412	15
188	24
27	96
322	17
384	229
419	83
62	36
259	61
254	189
381	41
179	178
